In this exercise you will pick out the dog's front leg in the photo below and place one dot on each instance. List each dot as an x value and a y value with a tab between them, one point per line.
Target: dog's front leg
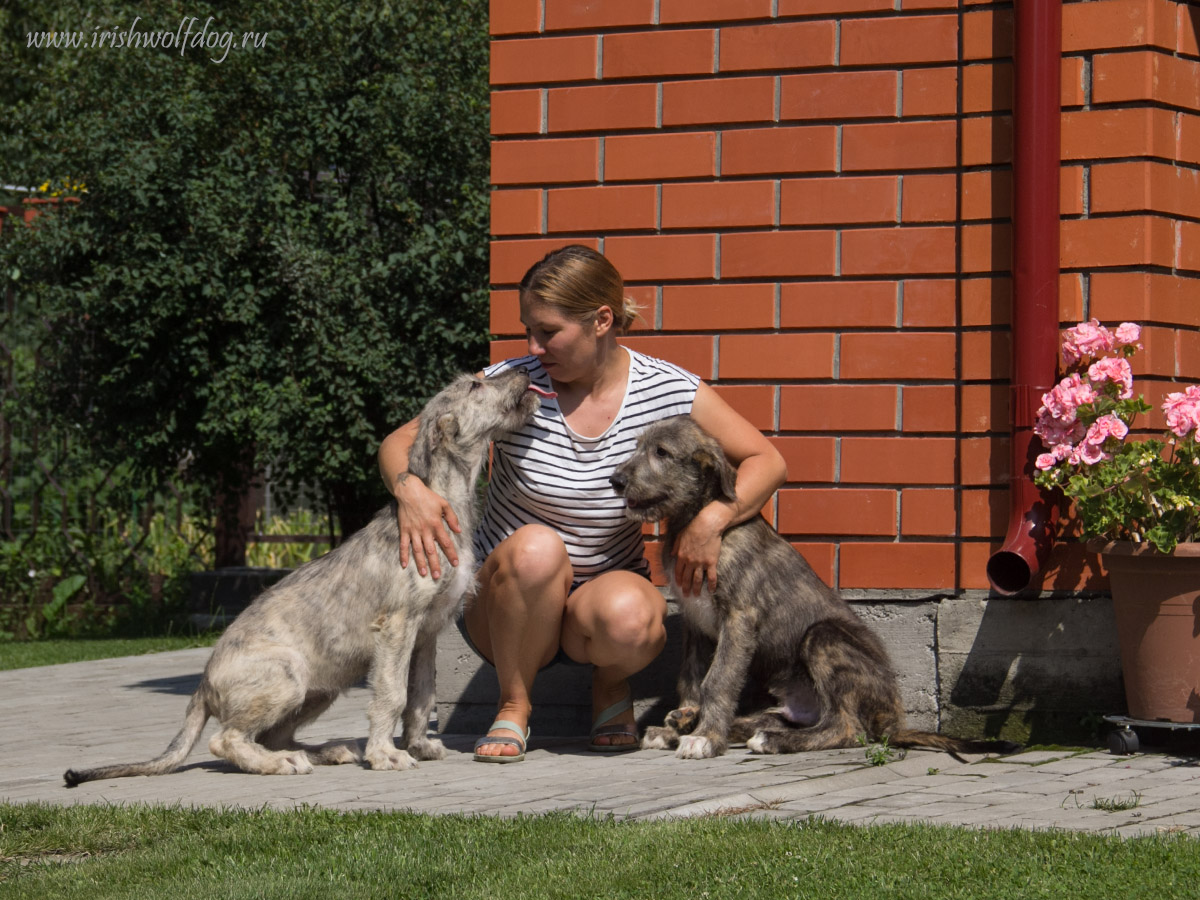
420	701
697	654
394	641
720	689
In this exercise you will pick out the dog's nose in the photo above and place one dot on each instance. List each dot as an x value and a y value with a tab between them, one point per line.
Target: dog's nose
618	481
521	370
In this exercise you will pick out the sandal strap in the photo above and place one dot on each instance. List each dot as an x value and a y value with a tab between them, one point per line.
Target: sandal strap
618	728
612	712
501	739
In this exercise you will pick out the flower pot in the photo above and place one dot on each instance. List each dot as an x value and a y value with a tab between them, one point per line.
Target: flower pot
1156	602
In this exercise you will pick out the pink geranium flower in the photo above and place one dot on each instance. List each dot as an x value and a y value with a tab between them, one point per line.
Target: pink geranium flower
1182	410
1128	334
1067	396
1086	340
1115	369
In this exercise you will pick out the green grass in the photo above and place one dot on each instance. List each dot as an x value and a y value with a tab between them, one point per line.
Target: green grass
151	852
27	654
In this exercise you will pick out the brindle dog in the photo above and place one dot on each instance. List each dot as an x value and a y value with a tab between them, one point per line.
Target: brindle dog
771	616
352	613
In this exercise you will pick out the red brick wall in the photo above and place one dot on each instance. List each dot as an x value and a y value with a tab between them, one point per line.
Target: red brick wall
812	200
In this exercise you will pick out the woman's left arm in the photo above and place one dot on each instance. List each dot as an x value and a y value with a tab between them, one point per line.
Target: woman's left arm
761	471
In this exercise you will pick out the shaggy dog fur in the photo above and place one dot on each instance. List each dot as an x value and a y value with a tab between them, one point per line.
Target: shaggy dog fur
771	616
352	613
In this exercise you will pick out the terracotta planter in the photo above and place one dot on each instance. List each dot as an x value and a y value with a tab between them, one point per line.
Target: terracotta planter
1156	601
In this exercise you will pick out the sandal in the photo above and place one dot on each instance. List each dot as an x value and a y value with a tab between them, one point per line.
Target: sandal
617	729
499	739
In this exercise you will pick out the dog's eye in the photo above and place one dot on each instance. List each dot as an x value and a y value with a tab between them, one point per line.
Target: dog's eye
476	385
661	452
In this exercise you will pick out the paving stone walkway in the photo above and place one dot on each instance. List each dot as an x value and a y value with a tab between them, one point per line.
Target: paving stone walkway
123	710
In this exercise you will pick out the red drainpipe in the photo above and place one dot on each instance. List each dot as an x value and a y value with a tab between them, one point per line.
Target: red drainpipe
1036	161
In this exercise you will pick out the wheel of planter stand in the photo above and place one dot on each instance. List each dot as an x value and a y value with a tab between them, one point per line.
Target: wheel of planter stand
1122	742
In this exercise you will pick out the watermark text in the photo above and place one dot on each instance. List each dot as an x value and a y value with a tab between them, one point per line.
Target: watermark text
190	35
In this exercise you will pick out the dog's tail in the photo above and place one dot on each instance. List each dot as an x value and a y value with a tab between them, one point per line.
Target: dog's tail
929	740
178	750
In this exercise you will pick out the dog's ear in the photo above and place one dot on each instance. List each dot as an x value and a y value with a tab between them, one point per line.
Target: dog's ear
711	460
447	428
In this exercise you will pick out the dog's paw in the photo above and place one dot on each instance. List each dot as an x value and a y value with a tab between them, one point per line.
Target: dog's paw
296	763
683	719
696	746
393	760
659	739
764	742
427	748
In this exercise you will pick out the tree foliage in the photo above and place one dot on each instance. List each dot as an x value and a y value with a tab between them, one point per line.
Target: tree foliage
279	255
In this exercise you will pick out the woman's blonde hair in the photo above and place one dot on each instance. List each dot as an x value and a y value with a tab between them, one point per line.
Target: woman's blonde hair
577	281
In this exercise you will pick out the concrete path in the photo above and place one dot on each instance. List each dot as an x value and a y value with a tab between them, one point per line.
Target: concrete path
123	710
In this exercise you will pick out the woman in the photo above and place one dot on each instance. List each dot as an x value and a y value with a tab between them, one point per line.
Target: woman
564	575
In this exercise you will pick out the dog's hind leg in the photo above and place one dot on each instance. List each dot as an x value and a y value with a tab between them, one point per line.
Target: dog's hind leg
240	748
331	753
395	640
420	702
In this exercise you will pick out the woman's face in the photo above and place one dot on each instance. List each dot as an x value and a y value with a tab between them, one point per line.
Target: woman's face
566	348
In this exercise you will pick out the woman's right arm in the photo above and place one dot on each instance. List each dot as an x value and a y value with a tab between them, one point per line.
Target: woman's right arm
422	515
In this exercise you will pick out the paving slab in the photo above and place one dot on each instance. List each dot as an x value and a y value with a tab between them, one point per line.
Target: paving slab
121	710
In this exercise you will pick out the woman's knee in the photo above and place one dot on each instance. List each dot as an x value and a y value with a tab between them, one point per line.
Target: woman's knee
533	557
628	614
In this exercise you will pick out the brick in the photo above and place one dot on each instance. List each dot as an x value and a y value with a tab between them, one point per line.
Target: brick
988	87
1117	241
1076	79
821	558
837	511
830	7
718	307
838	304
673	12
927	512
545	161
973	559
543	59
1150	77
810	460
602	107
899	145
754	402
663	257
984	460
779	150
837	407
722	204
1109	133
1071	190
655	54
898	251
1187	247
928	408
645	296
1143	296
929	92
1157	358
931	303
1144	187
984	513
899	40
986	301
838	95
777	254
1119	23
927	4
502	350
897	356
987	34
570	14
890	460
909	564
511	259
987	141
1070	296
986	247
516	112
660	156
620	208
985	407
930	198
987	194
778	45
716	100
1188	354
514	16
776	356
833	201
1187	31
1187	147
692	352
516	212
504	313
986	355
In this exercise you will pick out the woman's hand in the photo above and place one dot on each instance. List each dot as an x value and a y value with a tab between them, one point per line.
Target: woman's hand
423	517
698	549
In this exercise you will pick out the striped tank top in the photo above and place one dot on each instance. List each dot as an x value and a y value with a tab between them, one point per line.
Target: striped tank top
549	475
